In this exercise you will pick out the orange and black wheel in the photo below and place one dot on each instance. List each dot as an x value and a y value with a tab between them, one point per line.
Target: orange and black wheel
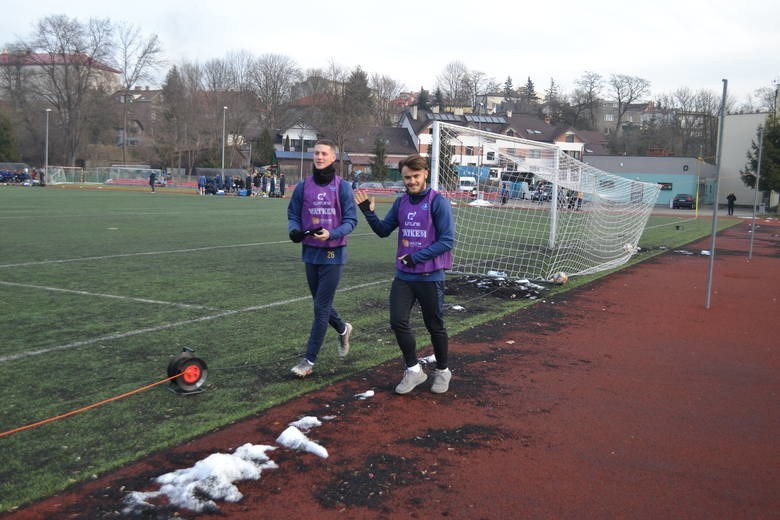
191	371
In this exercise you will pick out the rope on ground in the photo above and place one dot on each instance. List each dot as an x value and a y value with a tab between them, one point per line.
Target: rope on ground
85	408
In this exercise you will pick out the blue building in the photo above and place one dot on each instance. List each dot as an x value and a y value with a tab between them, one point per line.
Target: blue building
674	174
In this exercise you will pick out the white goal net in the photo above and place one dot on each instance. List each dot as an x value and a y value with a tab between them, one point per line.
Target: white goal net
525	209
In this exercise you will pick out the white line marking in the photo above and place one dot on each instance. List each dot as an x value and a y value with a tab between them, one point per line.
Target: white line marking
148	253
104	295
111	337
152	253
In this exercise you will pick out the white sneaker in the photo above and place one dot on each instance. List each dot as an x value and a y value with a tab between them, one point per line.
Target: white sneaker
410	380
303	369
344	340
441	381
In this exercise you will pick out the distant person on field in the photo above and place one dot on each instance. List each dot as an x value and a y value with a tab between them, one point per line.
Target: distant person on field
201	185
426	236
282	185
152	179
321	214
264	192
248	183
731	199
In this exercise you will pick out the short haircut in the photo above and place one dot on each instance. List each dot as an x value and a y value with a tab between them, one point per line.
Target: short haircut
327	142
415	162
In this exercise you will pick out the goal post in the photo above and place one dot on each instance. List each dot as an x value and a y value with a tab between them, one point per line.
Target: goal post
535	210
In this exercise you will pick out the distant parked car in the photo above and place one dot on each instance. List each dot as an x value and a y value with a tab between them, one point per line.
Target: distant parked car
397	186
683	200
370	186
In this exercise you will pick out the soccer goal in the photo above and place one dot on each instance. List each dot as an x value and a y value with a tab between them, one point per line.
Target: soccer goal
535	210
64	175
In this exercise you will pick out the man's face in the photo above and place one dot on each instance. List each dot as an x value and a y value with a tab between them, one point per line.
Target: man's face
414	180
324	156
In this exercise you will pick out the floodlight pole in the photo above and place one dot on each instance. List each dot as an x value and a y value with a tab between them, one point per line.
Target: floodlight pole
721	124
755	196
46	150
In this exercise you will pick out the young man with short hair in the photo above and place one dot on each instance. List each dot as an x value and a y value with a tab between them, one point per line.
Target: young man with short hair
426	236
320	215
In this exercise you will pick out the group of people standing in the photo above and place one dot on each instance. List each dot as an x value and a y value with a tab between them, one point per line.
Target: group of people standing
321	213
254	184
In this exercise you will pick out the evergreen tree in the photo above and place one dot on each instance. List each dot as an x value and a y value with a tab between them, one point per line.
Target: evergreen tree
509	91
423	99
265	149
770	159
438	99
378	167
9	151
529	93
358	97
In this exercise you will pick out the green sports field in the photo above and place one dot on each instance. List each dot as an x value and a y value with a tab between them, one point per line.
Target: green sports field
100	288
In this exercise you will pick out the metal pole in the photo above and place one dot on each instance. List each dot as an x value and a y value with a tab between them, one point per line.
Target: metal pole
301	136
435	150
224	112
708	296
755	197
699	160
554	201
46	152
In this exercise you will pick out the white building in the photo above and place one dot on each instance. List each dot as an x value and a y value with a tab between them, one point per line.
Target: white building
739	132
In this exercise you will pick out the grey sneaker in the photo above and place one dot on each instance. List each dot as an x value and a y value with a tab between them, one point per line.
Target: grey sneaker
303	368
410	380
441	381
344	341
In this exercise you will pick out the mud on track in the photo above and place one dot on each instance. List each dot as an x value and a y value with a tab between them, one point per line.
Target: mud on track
625	398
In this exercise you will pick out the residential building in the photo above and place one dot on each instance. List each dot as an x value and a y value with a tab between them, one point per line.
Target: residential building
419	123
35	68
361	145
144	107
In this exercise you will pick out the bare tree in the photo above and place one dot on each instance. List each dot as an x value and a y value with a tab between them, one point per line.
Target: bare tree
626	90
707	102
273	78
71	73
452	81
217	75
761	100
586	97
138	59
385	90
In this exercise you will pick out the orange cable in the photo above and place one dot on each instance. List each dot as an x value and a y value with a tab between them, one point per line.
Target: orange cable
89	407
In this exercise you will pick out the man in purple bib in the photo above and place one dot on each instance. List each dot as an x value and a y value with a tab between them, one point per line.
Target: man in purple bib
426	236
321	214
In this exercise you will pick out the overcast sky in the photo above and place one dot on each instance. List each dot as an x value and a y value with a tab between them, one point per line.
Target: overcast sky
672	44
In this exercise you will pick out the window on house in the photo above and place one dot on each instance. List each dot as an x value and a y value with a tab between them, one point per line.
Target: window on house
490	156
609	117
469	150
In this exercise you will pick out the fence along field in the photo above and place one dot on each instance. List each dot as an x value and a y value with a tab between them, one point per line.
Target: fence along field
102	288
